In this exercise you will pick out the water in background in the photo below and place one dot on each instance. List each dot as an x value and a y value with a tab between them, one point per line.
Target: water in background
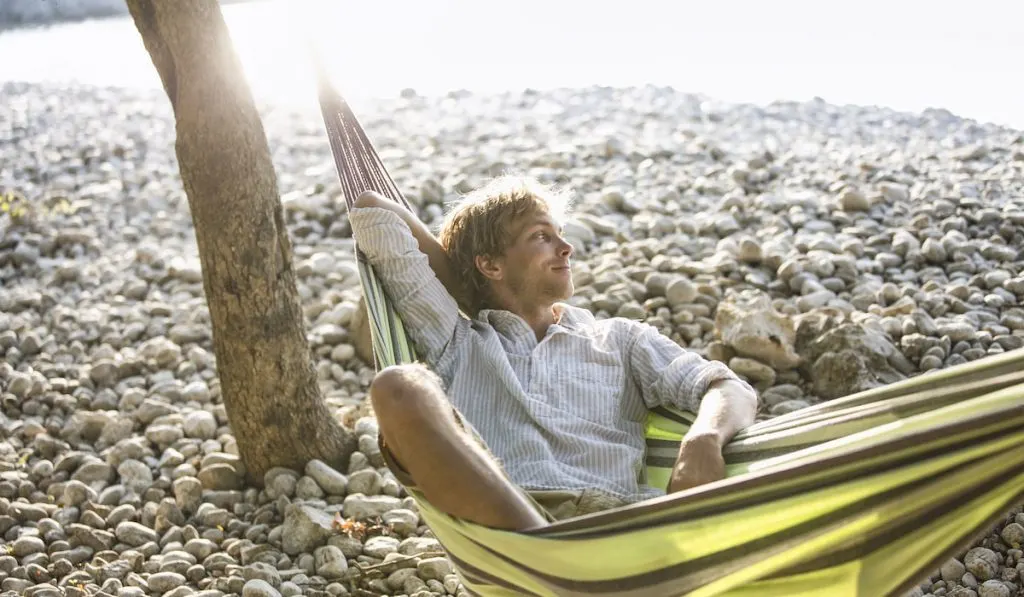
907	54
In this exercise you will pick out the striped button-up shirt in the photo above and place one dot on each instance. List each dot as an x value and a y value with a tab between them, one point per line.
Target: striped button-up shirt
565	412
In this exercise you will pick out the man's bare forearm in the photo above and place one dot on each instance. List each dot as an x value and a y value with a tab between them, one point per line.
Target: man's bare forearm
726	409
426	240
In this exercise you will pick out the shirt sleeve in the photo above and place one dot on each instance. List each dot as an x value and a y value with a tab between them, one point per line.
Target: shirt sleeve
668	374
430	314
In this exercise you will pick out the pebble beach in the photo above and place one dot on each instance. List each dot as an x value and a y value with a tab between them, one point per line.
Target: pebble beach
898	236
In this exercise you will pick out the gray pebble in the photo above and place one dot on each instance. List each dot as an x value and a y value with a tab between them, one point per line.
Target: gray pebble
262	571
983	563
366	481
305	529
200	424
788	406
434	568
27	545
259	588
187	493
135	475
307	489
330	562
280	482
1013	534
380	546
162	582
993	588
135	534
953	570
330	480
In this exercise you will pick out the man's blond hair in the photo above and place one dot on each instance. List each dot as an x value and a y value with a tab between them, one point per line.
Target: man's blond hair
485	222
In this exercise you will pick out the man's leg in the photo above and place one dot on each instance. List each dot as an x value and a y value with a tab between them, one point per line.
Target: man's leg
454	472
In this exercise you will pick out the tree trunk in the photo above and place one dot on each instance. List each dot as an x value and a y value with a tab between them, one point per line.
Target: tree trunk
268	383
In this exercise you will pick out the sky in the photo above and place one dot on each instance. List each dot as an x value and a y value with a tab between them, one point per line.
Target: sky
905	54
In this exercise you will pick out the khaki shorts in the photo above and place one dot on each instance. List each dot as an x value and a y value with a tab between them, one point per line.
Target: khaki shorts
553	504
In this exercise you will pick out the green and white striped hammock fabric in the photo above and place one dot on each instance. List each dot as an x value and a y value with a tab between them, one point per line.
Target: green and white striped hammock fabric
863	496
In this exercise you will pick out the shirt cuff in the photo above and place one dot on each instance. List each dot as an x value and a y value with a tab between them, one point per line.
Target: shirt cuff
378	231
698	382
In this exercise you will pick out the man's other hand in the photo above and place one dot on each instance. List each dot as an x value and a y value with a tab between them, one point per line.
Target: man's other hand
700	461
728	407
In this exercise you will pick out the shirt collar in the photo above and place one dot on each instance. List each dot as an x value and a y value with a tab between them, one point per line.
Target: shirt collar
567	317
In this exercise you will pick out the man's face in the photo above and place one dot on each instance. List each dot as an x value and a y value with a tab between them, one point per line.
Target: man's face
536	265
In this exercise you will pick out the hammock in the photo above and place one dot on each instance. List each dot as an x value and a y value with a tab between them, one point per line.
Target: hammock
863	496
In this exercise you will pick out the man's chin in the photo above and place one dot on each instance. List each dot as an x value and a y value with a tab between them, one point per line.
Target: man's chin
560	292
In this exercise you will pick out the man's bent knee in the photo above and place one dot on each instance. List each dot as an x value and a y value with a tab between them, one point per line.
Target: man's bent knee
410	406
404	392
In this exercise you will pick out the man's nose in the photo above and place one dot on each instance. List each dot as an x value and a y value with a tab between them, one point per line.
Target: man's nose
566	249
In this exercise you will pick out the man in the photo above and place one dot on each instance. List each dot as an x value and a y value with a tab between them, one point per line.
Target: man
532	410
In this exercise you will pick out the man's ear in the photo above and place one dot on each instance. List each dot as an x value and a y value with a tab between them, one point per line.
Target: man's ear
489	266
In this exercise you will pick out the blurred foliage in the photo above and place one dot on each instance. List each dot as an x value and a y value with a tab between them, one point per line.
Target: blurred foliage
21	209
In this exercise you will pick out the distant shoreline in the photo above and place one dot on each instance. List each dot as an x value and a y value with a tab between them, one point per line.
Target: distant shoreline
766	59
42	14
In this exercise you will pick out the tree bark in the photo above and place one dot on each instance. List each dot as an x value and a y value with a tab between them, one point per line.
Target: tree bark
268	382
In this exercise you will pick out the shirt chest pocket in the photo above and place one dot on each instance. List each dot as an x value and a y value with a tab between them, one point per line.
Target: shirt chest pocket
586	382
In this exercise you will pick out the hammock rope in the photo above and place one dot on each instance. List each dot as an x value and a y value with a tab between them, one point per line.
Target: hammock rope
862	496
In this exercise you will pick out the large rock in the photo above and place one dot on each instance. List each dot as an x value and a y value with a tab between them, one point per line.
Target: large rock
748	323
851	358
305	529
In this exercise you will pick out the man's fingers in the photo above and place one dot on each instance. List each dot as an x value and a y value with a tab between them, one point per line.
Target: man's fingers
697	466
689	480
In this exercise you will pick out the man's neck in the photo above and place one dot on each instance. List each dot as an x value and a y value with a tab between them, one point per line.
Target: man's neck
539	320
538	317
